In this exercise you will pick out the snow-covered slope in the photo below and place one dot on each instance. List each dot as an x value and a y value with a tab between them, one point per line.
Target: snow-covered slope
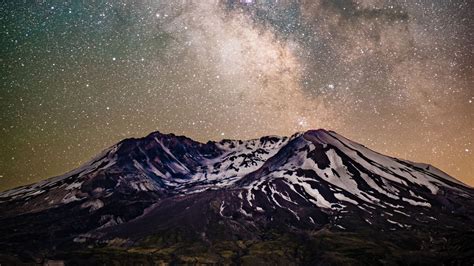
334	174
310	180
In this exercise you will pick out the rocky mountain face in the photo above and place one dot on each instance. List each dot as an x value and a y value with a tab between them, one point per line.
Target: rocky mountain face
312	198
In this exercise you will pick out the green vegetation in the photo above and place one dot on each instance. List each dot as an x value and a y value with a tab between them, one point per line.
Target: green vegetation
323	247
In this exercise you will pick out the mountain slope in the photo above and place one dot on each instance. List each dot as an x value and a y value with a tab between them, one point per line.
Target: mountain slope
165	190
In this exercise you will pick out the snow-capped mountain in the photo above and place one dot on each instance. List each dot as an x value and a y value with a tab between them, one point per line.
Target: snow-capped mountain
231	190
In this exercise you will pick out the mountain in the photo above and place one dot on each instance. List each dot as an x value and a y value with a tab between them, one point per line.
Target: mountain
312	198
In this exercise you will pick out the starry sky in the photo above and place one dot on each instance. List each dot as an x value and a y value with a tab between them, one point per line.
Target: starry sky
79	76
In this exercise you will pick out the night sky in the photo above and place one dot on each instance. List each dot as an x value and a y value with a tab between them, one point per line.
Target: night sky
79	76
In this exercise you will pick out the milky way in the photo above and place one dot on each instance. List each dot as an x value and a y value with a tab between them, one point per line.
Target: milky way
79	76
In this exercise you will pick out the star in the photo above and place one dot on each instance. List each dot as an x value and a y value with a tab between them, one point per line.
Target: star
78	78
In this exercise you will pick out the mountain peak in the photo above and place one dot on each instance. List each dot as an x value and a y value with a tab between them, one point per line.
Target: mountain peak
317	131
308	181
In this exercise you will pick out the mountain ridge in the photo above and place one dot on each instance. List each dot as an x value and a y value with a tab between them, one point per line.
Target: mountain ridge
132	139
232	190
